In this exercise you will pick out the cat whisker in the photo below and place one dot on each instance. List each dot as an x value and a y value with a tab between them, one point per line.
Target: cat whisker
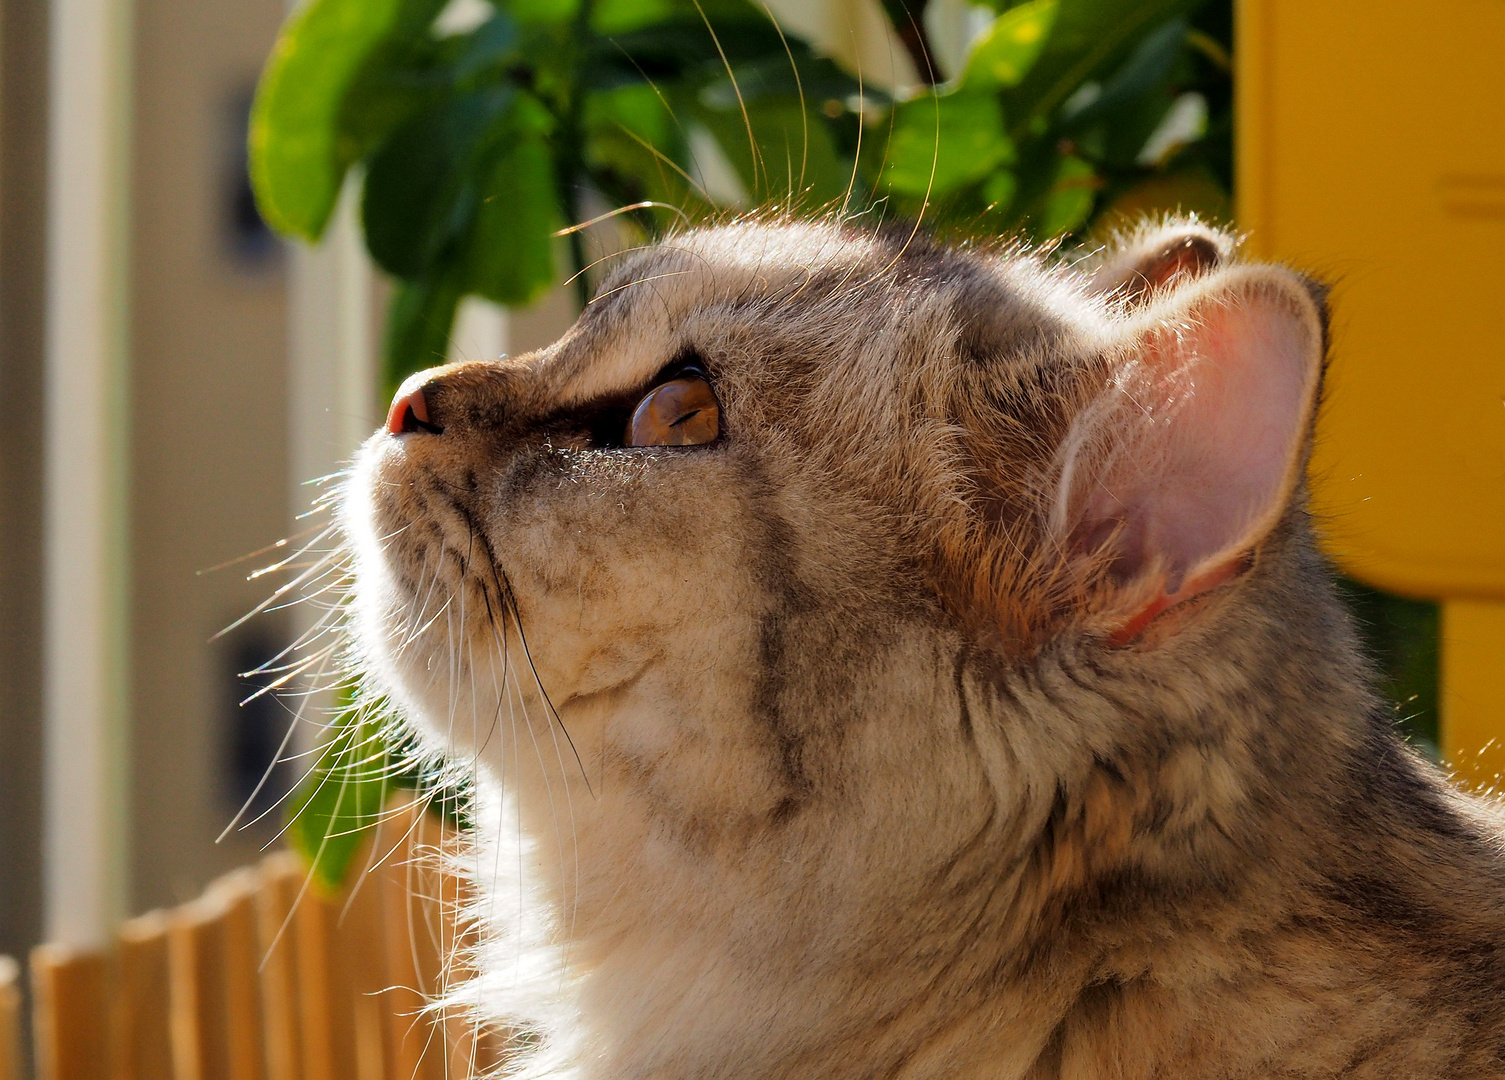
322	626
517	770
277	546
516	689
292	911
266	775
319	753
372	861
638	281
552	717
799	86
420	631
292	557
335	583
292	672
505	587
387	538
658	155
605	258
496	713
277	594
846	198
497	690
756	154
618	212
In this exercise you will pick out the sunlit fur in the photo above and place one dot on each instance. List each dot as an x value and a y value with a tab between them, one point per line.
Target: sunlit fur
829	767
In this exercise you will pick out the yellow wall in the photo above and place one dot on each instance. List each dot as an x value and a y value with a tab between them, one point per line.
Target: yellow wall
1371	152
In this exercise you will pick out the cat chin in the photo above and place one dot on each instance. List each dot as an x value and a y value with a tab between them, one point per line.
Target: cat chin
393	658
460	676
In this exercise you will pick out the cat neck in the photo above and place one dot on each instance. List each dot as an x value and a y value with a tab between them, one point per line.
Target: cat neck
980	823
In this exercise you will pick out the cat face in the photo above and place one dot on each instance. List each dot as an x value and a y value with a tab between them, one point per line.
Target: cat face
773	465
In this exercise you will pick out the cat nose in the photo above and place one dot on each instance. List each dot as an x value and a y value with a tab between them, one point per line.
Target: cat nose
410	409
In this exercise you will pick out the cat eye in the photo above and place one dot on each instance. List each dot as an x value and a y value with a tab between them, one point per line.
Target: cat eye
680	412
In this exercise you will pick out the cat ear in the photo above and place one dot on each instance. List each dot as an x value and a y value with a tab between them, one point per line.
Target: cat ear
1173	477
1158	258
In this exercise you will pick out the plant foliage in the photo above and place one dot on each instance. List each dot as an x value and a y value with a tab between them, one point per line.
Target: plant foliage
478	146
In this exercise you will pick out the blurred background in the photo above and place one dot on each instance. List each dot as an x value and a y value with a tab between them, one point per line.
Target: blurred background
214	421
175	373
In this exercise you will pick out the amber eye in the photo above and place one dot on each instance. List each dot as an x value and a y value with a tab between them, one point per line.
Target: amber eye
680	412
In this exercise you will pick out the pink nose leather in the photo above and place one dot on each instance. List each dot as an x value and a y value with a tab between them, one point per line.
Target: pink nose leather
409	412
405	409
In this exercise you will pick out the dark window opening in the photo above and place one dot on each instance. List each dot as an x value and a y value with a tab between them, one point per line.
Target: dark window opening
250	241
254	727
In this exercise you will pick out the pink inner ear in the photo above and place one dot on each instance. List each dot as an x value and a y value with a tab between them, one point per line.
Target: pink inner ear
1205	457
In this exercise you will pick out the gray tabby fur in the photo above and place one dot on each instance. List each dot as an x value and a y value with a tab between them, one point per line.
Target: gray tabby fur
863	787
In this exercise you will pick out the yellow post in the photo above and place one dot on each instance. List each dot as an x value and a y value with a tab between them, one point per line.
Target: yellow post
1371	152
1473	691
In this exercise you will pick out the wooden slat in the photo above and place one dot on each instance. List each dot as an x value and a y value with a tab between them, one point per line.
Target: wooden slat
325	1007
71	1013
263	979
361	945
240	955
142	1038
358	941
428	943
10	1019
277	944
369	1038
197	997
408	880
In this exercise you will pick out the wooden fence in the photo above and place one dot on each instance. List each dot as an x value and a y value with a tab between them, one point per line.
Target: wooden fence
262	978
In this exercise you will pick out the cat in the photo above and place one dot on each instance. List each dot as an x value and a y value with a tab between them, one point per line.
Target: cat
888	659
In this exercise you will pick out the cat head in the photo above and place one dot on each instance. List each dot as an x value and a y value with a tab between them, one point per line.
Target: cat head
773	465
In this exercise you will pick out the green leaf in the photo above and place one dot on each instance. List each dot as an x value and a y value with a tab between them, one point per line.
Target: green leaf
377	105
1070	199
297	158
340	799
368	756
999	189
511	248
1130	126
959	136
611	17
420	192
1088	38
419	319
536	11
490	45
1005	52
1147	68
